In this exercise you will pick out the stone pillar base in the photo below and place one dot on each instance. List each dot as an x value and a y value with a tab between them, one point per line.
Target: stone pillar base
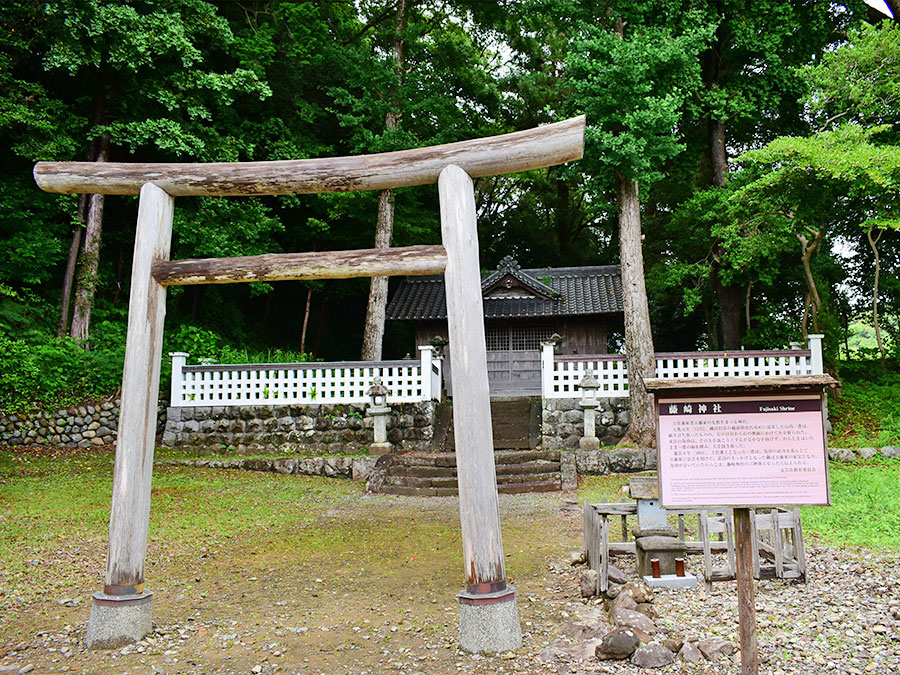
589	443
489	622
118	620
378	449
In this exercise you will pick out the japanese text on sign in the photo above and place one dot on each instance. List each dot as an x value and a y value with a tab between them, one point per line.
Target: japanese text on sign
742	451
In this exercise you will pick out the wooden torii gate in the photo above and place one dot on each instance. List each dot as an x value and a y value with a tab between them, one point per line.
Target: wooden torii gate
489	618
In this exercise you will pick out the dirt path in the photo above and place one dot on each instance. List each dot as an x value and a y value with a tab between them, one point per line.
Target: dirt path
371	588
382	599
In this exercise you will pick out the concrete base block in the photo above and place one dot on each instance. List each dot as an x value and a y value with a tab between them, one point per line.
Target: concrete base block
118	620
489	622
672	581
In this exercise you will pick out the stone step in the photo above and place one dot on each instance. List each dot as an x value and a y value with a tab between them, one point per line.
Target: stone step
422	481
505	488
448	459
537	486
451	481
422	471
540	466
526	456
419	491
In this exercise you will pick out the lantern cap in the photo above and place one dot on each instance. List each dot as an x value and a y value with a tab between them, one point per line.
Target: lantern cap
377	389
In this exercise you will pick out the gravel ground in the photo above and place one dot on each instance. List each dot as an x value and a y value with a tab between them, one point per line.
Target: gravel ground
845	619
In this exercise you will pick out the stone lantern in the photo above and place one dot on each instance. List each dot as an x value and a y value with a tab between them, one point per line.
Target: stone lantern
589	403
378	410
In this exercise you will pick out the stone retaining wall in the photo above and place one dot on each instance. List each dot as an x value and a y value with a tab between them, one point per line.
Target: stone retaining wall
614	460
850	455
356	468
76	427
562	422
306	429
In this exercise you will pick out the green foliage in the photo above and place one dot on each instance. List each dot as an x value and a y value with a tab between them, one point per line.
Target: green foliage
52	372
867	412
865	506
859	82
633	89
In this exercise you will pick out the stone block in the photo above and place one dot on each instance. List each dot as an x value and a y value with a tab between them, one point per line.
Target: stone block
589	443
890	452
593	462
841	454
626	460
489	628
116	621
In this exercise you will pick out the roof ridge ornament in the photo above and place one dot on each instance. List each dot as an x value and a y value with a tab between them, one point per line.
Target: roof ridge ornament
507	262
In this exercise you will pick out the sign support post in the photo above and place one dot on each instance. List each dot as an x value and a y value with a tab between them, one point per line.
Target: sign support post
746	589
740	443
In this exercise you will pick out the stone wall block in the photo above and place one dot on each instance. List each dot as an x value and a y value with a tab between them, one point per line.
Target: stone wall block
592	462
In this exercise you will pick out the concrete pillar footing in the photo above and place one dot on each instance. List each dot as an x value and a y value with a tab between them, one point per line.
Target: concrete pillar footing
489	622
118	620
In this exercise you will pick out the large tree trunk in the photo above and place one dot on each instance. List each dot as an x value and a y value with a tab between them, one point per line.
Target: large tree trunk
731	303
305	320
90	259
729	298
69	276
813	302
718	156
373	331
873	242
638	338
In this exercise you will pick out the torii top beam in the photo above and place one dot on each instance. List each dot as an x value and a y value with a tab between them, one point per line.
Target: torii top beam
508	153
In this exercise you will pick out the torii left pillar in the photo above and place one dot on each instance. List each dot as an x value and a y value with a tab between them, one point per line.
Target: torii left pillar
488	613
122	613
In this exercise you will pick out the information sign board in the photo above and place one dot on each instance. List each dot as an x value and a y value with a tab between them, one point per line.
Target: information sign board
720	449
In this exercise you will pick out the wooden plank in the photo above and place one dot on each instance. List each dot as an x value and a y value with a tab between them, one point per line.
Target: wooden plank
616	509
703	529
731	383
799	548
746	594
590	556
508	153
604	562
622	548
729	538
130	513
779	546
373	262
479	505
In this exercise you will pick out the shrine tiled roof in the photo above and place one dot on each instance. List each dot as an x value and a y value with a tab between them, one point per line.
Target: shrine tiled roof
558	291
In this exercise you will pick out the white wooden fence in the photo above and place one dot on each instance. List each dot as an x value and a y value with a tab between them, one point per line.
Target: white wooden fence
304	383
560	375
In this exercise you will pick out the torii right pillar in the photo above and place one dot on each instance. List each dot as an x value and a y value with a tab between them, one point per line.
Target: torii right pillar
488	613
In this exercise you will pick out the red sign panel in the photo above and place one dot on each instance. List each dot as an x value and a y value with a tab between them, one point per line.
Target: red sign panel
729	451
